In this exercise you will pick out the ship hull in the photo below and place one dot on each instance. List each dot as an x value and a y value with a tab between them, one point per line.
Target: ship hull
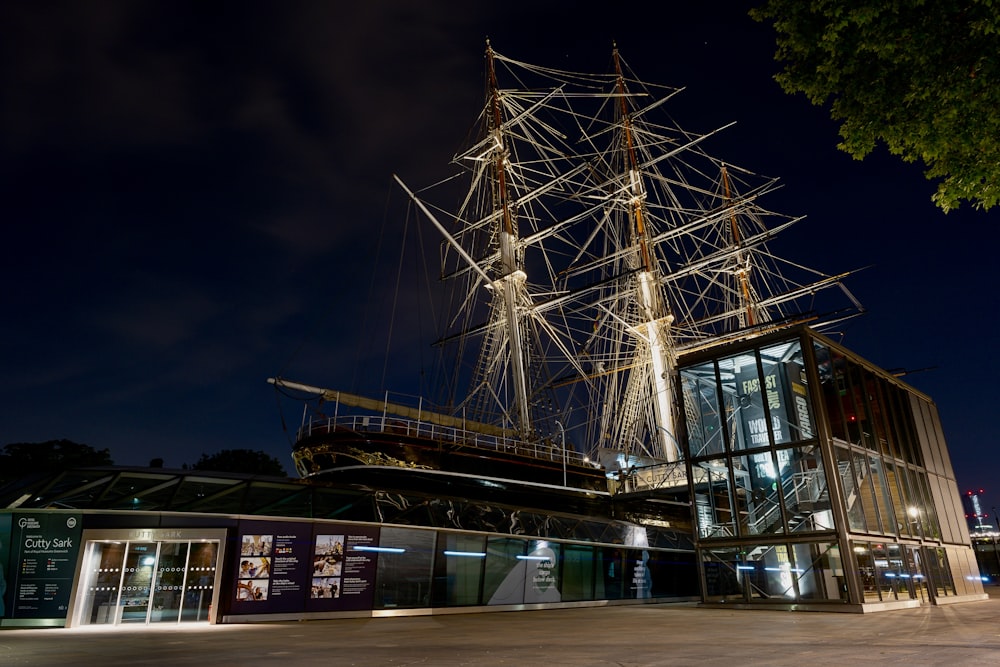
324	453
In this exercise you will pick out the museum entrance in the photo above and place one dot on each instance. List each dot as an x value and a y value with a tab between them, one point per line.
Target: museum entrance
146	580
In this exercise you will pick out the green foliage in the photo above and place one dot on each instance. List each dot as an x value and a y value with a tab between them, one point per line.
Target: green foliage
920	76
24	458
241	460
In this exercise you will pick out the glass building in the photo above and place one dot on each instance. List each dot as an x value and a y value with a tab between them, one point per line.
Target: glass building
817	478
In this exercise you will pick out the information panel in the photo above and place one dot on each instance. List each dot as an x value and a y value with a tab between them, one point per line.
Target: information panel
284	567
43	553
273	563
343	568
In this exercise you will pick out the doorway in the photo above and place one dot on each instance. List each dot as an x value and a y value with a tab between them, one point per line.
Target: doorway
147	581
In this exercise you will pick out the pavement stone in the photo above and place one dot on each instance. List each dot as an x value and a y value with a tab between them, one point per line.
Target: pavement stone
622	636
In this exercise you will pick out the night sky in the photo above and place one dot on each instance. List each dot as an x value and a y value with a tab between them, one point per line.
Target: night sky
197	196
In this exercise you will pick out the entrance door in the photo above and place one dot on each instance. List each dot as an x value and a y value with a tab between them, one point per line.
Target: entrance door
918	579
137	581
147	582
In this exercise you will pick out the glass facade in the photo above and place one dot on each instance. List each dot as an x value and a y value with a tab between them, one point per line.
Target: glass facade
439	569
818	477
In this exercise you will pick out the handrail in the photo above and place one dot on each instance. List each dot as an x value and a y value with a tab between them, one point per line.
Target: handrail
419	428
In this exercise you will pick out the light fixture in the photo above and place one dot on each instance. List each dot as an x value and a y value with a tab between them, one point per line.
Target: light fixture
388	550
466	554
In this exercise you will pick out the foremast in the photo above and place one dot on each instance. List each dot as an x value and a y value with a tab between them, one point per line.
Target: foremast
509	286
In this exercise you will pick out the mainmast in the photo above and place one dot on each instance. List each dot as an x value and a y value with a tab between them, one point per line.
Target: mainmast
653	308
510	283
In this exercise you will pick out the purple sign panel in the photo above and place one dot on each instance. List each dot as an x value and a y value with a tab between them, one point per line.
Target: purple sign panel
343	568
272	567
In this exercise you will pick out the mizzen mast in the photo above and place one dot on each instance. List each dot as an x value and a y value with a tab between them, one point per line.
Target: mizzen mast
742	265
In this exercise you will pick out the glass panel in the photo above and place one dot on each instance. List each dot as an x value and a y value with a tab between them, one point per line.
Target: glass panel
459	569
200	583
786	394
129	491
769	571
864	556
613	581
137	582
830	369
890	564
902	421
103	573
403	577
701	411
867	492
931	525
168	590
724	574
713	506
503	581
852	489
747	427
895	485
807	497
882	496
887	445
820	572
897	438
672	574
916	513
578	573
541	572
855	409
757	494
918	579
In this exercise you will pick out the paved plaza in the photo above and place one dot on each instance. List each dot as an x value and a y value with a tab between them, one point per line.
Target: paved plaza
655	634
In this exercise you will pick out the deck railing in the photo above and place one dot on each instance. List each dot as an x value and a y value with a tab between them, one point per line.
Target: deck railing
541	449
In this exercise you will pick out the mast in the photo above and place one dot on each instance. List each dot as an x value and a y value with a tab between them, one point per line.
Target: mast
742	268
510	283
652	306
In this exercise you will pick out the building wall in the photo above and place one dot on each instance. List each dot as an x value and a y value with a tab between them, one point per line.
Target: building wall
141	567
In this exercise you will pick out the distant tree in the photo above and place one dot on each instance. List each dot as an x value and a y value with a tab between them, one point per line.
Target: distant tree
920	76
241	460
24	458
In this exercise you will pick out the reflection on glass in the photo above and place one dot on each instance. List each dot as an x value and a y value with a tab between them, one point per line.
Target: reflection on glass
704	422
169	587
578	573
757	494
742	389
103	569
805	490
822	574
137	581
724	571
851	488
461	567
403	574
713	504
498	581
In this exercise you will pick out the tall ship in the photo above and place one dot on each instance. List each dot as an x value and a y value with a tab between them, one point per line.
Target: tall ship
594	243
